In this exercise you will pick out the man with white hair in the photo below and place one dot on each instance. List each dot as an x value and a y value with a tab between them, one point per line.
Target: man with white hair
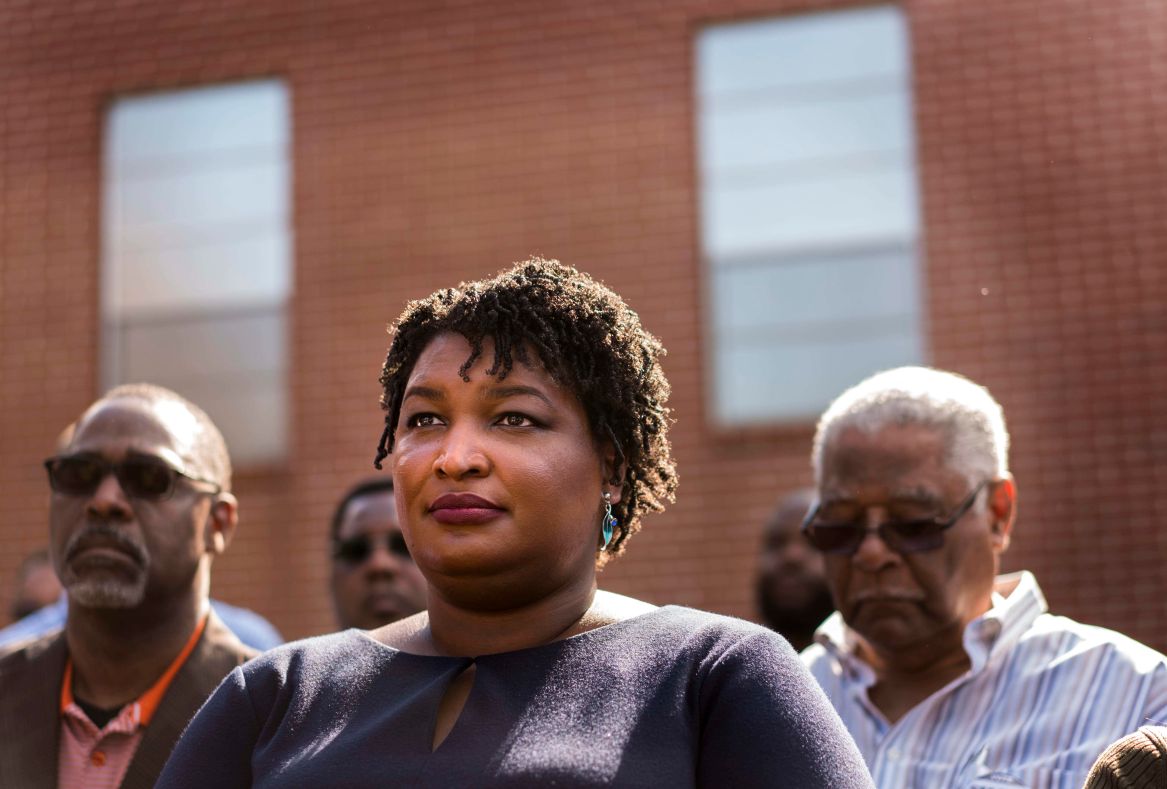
946	674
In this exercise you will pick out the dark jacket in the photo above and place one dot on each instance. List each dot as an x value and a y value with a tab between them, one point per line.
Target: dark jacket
30	694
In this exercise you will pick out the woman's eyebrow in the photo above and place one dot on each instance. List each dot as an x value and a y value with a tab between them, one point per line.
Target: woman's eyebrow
515	390
426	392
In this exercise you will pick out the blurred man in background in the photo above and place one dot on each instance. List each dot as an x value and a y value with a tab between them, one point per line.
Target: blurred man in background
374	580
36	587
792	593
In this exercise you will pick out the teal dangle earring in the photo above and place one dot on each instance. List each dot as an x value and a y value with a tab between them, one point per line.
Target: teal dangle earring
608	522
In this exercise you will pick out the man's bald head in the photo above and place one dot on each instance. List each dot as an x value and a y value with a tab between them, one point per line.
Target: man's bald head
208	446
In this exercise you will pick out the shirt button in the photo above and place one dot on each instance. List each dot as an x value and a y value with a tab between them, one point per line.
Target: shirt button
97	758
894	755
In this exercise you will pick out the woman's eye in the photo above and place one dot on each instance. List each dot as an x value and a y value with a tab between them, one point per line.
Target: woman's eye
516	420
421	420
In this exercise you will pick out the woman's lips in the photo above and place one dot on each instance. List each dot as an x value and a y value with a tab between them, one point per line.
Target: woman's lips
460	515
464	508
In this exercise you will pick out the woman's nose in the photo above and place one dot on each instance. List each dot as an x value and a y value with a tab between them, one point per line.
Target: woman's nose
461	455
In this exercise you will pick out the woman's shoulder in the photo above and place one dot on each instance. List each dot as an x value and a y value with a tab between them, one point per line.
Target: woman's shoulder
680	630
316	656
710	625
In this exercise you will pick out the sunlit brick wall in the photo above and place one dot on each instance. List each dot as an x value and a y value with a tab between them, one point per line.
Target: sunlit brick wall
432	144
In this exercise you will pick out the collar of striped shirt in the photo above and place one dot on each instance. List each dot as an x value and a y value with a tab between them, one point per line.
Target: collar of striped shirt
1017	603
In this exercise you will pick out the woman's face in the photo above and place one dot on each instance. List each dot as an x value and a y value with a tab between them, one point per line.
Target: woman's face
498	483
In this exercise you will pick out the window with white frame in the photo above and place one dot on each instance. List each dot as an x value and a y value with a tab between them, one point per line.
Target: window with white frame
809	218
196	257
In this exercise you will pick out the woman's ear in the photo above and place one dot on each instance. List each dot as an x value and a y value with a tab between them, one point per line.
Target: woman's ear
612	470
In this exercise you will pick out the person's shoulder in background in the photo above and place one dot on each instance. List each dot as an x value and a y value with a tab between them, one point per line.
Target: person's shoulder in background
39	623
251	628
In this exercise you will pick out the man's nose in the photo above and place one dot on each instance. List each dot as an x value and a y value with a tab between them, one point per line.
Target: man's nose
796	552
382	560
109	501
873	554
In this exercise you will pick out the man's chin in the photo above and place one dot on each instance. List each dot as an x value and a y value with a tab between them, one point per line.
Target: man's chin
886	630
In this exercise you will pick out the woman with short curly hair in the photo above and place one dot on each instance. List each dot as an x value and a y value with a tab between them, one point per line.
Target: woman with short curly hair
527	432
586	338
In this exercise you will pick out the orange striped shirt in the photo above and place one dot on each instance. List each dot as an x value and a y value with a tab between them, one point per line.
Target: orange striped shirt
92	758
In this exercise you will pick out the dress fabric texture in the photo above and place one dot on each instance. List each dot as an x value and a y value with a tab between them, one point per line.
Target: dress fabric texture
675	697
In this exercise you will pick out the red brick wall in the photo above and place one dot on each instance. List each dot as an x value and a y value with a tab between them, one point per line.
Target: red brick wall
433	144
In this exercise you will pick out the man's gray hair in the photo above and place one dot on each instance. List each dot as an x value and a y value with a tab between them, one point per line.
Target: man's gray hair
964	412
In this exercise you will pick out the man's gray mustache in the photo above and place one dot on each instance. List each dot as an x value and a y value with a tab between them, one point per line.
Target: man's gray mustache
102	534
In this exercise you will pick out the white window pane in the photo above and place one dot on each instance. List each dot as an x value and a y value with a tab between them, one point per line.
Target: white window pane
777	133
183	202
196	261
798	294
808	207
200	348
792	51
224	271
184	124
875	203
768	380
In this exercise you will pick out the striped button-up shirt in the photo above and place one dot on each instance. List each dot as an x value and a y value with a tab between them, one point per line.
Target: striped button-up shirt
1043	697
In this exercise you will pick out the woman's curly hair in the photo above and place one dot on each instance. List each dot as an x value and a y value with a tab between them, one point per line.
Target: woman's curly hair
586	338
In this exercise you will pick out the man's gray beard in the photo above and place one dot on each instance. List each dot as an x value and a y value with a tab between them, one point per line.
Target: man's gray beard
106	592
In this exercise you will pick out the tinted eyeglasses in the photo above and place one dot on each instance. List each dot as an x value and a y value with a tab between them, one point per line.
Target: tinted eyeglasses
356	550
902	536
141	477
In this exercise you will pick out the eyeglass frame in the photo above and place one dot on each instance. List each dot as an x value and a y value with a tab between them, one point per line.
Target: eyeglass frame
883	529
107	467
391	538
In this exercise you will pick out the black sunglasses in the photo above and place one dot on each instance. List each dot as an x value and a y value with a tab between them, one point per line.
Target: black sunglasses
904	536
140	477
356	550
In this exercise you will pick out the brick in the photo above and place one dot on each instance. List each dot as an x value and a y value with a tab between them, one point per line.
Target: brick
434	144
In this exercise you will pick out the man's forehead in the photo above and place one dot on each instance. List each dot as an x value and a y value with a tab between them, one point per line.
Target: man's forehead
888	451
790	513
373	506
371	512
904	494
130	424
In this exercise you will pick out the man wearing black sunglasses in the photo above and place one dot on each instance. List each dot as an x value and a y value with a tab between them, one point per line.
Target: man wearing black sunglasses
374	580
945	673
140	507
